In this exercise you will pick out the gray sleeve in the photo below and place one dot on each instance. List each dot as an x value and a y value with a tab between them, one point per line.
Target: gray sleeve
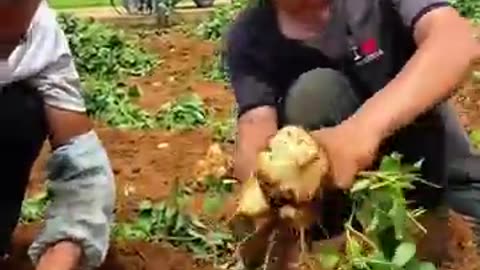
82	184
59	81
412	10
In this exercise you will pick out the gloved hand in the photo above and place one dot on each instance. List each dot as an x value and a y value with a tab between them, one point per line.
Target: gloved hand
82	184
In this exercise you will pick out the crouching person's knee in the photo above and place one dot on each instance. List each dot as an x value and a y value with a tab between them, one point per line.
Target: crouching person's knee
320	97
83	198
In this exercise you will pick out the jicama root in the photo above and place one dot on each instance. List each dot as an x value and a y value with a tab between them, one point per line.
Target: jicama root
290	171
252	200
284	191
293	167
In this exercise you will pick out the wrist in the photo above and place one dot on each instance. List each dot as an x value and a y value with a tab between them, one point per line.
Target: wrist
64	255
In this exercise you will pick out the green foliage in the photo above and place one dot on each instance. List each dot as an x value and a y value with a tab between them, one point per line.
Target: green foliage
215	70
103	57
165	221
221	18
386	239
33	209
113	103
475	138
468	8
224	130
104	52
217	191
186	112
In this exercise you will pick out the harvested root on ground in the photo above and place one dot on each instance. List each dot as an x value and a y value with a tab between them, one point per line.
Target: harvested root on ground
215	164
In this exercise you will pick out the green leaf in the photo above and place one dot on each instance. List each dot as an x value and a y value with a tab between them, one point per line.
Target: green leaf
404	253
212	204
329	257
391	163
360	185
426	266
398	214
475	138
354	249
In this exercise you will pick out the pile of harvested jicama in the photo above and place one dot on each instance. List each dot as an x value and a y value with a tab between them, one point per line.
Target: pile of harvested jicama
283	199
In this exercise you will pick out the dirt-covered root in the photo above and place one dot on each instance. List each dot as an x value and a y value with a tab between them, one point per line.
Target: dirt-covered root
293	167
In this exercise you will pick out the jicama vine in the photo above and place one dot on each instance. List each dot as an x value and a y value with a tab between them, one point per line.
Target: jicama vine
386	237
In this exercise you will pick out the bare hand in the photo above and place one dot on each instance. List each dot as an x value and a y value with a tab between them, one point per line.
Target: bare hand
64	255
350	149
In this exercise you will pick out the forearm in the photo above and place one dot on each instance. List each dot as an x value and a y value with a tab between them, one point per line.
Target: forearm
431	75
81	181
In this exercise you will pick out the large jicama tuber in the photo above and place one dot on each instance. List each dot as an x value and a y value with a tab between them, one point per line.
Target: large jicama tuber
283	190
290	171
293	167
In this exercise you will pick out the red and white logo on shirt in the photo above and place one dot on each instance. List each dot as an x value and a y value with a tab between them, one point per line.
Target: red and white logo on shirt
367	52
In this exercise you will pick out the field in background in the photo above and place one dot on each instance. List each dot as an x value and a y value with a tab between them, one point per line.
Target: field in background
69	4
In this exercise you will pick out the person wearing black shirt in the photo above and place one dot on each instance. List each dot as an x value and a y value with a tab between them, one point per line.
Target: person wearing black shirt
367	77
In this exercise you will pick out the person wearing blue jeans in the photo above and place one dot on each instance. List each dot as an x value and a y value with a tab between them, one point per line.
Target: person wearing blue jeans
367	78
40	99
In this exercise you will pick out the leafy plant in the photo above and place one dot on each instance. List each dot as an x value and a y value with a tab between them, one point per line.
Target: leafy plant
216	70
102	51
386	240
33	209
468	8
103	57
221	18
186	112
113	103
165	222
217	192
475	138
224	130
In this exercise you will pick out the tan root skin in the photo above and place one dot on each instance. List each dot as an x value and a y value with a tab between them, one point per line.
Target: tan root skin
252	201
290	174
294	164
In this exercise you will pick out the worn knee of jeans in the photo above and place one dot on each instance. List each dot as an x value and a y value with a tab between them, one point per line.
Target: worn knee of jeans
320	97
464	189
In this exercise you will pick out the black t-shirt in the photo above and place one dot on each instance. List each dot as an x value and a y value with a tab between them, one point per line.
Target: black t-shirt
369	41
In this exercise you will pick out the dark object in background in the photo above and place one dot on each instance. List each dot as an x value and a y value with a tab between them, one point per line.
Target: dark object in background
204	3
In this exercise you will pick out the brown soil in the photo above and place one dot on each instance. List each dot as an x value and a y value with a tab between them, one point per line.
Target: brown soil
147	162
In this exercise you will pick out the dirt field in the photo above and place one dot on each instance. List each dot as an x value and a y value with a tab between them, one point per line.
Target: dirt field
146	162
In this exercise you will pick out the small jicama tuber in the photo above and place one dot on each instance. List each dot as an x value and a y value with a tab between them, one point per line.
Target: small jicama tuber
252	201
293	167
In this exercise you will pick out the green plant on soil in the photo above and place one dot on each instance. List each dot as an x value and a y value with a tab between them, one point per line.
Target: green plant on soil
112	103
33	209
168	221
217	24
217	190
475	138
468	8
215	69
104	56
104	52
386	240
224	130
184	113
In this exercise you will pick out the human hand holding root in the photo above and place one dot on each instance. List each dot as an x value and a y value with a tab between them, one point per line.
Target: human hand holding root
350	149
280	197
